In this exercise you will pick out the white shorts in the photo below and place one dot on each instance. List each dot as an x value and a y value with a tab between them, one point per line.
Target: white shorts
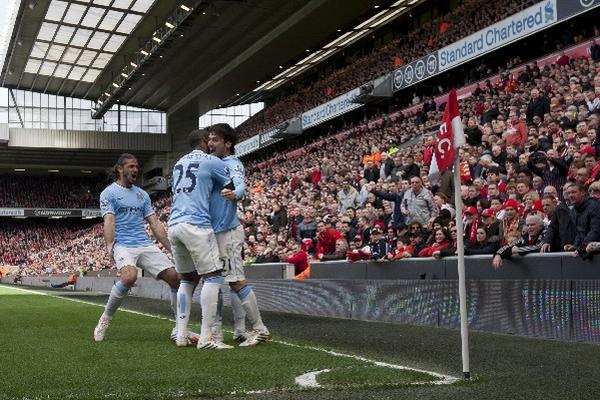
149	258
194	249
231	243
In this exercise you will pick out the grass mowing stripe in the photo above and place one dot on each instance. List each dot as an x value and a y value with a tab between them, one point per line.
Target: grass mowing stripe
296	358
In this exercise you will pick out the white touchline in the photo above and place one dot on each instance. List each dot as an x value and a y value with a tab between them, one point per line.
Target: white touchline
442	378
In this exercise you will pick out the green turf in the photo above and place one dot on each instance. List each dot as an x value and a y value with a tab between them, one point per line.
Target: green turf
47	352
504	367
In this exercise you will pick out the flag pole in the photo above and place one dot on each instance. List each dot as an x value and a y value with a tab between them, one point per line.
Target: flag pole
462	289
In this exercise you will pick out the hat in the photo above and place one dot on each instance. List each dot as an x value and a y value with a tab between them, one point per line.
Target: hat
488	212
470	210
588	150
510	203
592	116
357	238
379	224
537	206
376	230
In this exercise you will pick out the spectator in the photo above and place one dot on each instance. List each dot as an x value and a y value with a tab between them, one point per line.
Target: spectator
278	218
539	105
417	203
298	257
347	196
586	217
396	198
307	228
530	241
379	245
371	172
326	240
441	241
481	245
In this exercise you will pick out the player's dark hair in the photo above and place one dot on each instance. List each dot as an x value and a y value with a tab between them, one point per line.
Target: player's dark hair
123	158
226	132
198	137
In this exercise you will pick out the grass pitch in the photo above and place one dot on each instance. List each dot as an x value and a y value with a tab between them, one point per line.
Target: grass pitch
47	352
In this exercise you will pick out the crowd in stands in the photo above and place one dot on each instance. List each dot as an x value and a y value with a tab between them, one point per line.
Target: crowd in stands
53	246
48	192
465	19
530	160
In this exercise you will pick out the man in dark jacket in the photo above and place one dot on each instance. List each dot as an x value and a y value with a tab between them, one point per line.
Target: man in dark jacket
397	217
278	218
538	105
550	167
385	170
379	244
371	172
561	231
586	215
410	168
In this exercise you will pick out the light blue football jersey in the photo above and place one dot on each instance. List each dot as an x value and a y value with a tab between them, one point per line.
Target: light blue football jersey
195	176
224	212
131	206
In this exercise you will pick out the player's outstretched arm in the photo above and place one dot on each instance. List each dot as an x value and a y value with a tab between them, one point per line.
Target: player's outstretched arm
159	231
109	232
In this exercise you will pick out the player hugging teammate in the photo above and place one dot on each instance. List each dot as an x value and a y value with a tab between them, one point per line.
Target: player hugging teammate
205	238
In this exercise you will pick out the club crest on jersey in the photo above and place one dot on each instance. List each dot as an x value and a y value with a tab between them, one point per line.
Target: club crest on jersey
237	169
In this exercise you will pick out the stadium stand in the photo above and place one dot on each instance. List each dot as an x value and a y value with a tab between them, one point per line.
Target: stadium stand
49	191
53	246
430	36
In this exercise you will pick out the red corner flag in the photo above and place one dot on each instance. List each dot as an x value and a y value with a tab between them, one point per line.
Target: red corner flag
450	137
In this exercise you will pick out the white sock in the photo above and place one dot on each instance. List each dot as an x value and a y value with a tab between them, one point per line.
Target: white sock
209	298
248	298
174	302
184	306
217	329
239	315
117	294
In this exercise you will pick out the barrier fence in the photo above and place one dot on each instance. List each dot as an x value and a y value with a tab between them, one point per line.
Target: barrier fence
550	296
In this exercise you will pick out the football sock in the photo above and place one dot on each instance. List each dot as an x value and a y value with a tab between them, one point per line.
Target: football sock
117	294
217	329
209	297
174	302
248	298
239	315
184	306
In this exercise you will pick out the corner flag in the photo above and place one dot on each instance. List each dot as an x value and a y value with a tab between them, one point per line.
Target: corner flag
450	137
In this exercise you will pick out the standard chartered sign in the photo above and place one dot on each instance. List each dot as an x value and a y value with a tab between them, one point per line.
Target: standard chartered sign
338	106
506	31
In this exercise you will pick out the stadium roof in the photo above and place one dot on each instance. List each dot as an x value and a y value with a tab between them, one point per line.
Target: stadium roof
171	53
